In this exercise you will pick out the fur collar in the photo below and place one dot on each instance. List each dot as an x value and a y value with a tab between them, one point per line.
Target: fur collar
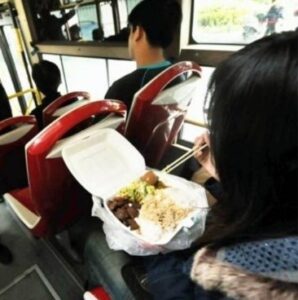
212	274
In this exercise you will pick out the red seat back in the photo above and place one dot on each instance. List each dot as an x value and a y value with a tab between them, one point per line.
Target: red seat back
54	191
15	132
158	112
63	104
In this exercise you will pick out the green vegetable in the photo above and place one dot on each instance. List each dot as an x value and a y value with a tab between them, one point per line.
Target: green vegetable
137	191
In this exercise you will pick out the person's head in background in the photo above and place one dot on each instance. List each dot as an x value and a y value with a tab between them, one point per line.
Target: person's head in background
75	33
46	76
98	34
153	25
253	126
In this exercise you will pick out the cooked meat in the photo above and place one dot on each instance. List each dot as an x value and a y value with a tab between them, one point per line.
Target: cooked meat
121	214
132	211
150	178
133	224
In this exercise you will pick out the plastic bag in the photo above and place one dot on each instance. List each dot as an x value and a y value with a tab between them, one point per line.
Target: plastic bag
120	237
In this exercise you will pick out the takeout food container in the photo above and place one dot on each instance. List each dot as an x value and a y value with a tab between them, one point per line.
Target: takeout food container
106	162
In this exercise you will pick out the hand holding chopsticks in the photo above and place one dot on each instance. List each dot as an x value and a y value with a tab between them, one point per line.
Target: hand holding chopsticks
206	158
169	168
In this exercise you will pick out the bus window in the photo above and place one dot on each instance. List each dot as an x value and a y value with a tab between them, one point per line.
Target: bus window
87	21
196	111
189	132
5	76
86	74
107	20
131	4
124	7
241	22
195	122
119	68
103	73
72	21
80	20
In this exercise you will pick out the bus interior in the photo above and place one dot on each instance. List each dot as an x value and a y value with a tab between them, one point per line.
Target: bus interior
90	49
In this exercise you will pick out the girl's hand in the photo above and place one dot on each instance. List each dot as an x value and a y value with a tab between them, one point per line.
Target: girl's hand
204	156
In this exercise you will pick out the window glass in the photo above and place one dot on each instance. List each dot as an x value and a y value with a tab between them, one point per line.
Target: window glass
240	22
107	19
72	20
119	68
7	83
13	43
122	4
196	109
88	22
125	7
131	4
86	74
189	132
67	20
17	60
5	76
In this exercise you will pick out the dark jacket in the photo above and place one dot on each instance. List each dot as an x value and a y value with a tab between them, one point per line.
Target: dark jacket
125	88
5	109
37	112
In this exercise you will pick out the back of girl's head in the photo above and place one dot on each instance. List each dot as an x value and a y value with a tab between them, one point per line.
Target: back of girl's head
47	76
254	137
159	18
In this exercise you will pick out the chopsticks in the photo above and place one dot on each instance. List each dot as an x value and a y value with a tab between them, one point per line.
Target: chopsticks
183	158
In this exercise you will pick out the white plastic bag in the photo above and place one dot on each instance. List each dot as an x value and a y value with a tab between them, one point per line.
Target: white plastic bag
120	237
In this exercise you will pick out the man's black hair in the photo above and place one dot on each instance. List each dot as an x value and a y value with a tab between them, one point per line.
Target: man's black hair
47	76
159	18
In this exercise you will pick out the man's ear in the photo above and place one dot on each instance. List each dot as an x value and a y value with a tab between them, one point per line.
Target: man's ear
139	33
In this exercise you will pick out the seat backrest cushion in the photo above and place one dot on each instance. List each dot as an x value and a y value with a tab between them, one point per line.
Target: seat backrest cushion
155	124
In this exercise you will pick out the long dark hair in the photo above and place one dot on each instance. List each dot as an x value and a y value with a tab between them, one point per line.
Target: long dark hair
253	125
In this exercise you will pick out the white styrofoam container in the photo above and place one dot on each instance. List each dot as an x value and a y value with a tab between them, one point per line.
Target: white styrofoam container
105	162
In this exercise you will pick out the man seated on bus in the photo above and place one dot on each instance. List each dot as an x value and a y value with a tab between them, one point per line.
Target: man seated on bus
47	78
9	180
152	25
5	109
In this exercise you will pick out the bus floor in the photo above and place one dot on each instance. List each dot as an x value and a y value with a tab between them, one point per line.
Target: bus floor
38	271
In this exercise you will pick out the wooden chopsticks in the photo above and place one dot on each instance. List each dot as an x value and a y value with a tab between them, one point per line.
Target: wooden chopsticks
169	168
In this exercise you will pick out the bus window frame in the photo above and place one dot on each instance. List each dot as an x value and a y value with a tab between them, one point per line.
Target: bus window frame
113	50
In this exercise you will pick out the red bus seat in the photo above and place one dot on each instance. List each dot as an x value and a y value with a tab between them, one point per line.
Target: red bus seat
157	113
53	198
64	104
15	132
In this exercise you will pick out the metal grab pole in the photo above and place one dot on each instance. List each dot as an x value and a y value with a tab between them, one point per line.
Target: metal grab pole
21	48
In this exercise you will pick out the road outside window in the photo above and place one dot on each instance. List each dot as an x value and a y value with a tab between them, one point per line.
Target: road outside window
241	21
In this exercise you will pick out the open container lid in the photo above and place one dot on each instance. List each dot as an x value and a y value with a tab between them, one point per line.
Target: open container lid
104	162
111	121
